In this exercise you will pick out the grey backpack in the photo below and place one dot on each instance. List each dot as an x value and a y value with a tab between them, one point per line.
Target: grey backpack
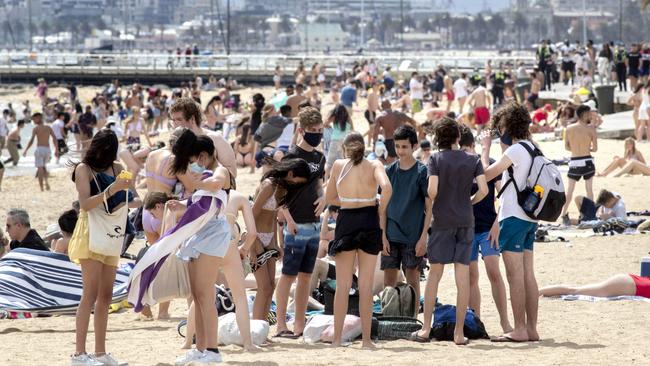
399	301
542	197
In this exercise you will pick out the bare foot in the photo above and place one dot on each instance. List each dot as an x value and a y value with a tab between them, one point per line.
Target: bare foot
368	345
533	336
187	346
336	344
163	316
507	328
461	341
252	348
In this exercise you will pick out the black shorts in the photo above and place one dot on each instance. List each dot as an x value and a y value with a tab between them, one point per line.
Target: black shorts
370	116
532	98
567	66
581	167
588	210
450	245
357	228
390	148
401	256
634	72
63	147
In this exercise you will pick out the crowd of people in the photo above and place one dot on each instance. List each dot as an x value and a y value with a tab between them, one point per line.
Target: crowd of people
405	193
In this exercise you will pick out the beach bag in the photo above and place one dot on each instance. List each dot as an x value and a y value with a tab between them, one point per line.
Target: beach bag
542	197
229	331
399	301
315	327
224	301
107	230
444	322
329	289
351	330
388	328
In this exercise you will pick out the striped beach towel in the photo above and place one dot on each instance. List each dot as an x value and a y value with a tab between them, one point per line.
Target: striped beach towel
42	282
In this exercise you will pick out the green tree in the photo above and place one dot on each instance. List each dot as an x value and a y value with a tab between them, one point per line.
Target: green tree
84	28
100	23
285	24
521	25
479	27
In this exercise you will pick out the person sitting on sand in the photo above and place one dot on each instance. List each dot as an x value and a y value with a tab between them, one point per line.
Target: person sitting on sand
617	285
608	205
67	222
630	155
21	233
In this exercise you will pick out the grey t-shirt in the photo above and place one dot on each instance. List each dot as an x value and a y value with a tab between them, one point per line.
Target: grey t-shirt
456	171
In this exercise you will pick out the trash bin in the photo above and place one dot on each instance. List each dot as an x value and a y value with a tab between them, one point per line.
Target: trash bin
605	95
520	90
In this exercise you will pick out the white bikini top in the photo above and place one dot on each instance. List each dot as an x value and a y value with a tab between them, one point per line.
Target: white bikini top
344	172
270	204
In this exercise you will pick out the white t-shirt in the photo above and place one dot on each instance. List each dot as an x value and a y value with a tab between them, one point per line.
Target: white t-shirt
417	89
460	88
618	210
521	161
566	52
4	129
286	136
57	127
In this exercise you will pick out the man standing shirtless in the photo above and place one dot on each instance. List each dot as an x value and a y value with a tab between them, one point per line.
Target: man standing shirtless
296	99
186	113
449	91
43	154
371	112
481	101
581	139
389	120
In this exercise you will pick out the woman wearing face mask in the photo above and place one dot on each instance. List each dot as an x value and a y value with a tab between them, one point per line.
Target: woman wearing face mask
208	248
271	194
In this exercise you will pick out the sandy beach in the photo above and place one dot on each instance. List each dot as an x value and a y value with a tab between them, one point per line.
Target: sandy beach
572	332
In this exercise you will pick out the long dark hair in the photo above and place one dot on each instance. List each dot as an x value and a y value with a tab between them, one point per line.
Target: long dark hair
245	132
188	146
341	116
278	174
101	153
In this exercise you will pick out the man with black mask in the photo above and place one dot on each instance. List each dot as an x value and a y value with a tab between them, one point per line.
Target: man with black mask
302	231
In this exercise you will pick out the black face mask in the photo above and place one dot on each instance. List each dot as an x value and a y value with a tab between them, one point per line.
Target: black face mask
313	138
506	139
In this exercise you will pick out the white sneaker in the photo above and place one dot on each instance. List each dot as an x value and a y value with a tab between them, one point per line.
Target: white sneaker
84	360
191	356
209	357
108	360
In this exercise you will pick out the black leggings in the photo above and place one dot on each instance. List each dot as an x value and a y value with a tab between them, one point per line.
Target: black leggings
621	72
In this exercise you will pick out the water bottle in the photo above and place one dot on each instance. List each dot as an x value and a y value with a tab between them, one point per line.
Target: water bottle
645	267
531	201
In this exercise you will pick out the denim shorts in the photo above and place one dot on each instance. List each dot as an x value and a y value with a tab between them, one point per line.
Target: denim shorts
516	235
300	250
481	242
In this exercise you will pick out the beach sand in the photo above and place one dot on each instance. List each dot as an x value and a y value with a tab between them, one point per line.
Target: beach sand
573	333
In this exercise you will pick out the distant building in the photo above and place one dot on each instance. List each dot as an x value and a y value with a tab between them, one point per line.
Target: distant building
420	41
321	36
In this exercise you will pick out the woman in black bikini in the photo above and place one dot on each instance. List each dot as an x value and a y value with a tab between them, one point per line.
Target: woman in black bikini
244	148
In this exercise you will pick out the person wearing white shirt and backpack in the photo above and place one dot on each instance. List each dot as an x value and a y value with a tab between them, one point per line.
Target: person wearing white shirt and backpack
521	207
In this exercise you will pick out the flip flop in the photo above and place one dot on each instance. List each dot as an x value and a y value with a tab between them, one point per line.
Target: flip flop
415	337
506	339
287	334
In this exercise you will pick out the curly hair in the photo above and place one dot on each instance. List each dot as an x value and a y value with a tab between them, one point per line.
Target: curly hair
190	108
512	118
447	132
309	117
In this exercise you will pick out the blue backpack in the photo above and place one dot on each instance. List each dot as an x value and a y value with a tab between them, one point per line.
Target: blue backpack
444	321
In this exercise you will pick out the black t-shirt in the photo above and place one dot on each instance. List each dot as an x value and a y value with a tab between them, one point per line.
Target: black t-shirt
456	170
484	212
633	60
300	201
31	241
